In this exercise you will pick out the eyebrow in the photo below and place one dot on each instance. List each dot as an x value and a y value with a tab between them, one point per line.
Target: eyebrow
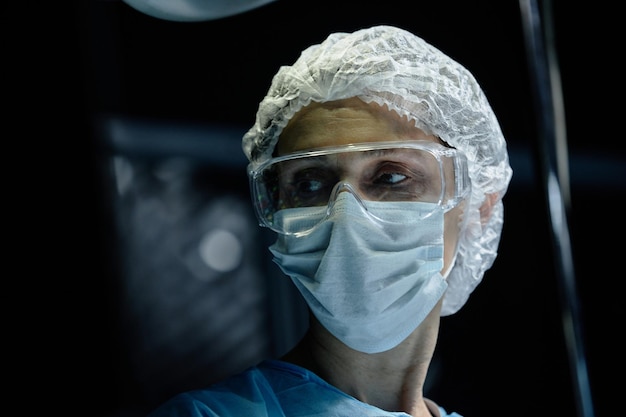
374	153
323	159
382	152
360	154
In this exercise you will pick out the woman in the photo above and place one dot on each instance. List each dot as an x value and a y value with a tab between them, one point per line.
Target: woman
380	165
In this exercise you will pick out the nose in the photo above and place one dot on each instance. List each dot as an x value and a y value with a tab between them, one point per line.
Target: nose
340	187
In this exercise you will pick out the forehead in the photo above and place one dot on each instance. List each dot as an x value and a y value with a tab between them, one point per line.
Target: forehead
345	121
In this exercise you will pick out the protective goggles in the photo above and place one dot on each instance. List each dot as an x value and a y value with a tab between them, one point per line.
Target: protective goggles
415	171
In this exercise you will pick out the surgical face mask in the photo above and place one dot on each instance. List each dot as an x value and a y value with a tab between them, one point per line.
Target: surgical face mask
402	171
370	276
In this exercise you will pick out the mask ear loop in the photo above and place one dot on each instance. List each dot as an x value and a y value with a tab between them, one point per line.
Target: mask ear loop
445	273
461	225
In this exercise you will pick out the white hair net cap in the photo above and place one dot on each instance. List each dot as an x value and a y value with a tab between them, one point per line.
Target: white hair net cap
393	67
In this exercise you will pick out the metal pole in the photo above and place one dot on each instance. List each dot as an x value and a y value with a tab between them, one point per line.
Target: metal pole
544	73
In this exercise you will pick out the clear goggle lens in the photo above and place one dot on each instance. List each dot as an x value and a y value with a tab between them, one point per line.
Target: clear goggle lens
415	171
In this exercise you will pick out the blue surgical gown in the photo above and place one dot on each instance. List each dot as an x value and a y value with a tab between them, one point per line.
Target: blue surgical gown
273	388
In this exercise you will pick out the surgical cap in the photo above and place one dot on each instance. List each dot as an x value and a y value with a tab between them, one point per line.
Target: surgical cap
390	66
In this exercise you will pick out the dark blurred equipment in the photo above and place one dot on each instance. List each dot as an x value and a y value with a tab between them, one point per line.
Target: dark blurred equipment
554	167
196	299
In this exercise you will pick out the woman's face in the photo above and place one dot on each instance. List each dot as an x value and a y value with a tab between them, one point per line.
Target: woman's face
352	121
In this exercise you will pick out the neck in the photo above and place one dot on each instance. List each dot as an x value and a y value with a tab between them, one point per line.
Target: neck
391	380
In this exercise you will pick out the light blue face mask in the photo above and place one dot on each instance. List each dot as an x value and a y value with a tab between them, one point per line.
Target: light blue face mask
369	276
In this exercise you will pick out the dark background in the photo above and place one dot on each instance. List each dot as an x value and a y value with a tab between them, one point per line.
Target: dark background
72	69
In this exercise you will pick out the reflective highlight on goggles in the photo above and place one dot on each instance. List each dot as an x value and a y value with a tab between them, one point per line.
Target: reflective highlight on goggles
415	171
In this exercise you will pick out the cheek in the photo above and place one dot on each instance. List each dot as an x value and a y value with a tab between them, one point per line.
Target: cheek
452	230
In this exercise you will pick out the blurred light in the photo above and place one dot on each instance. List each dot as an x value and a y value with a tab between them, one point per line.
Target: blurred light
194	10
221	250
123	172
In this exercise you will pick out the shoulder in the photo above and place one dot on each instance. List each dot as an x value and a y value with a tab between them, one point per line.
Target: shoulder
270	389
438	410
253	392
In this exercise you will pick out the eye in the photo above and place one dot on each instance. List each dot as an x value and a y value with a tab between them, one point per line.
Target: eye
390	178
396	181
391	174
308	187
